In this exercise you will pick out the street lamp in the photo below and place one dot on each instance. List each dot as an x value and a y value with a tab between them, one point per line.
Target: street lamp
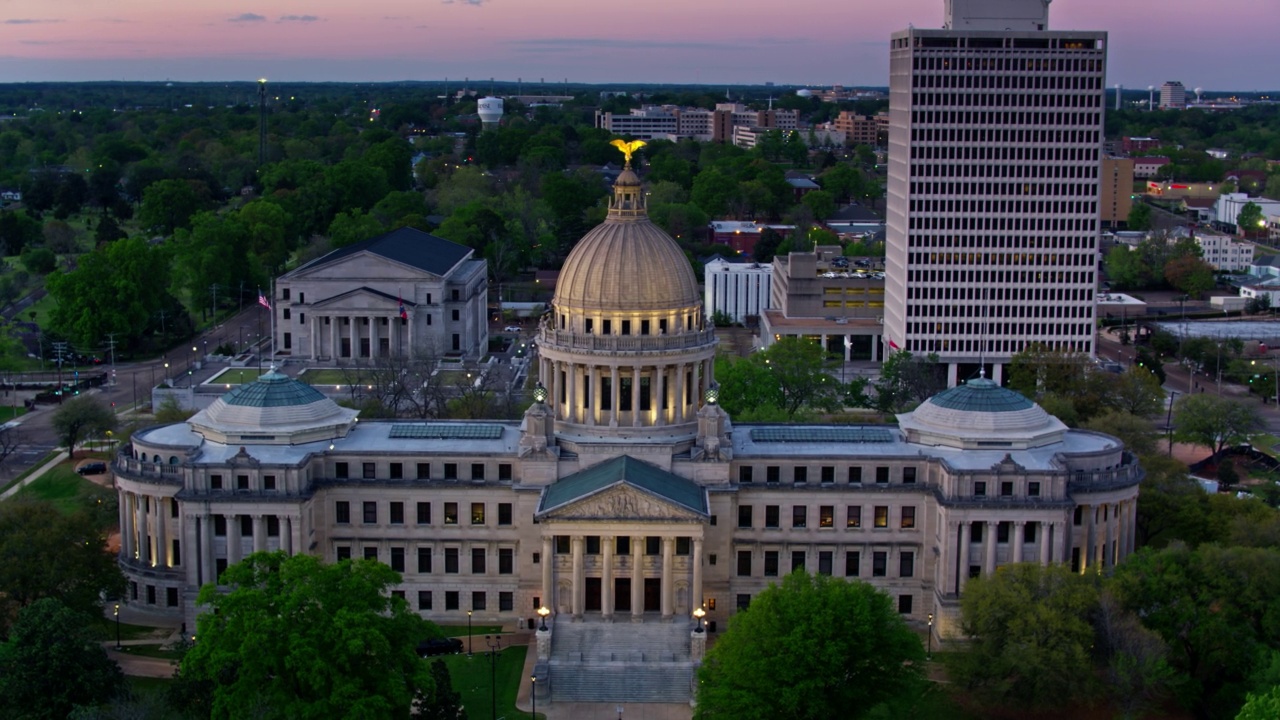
543	612
929	655
1168	420
698	614
533	694
117	614
495	644
468	633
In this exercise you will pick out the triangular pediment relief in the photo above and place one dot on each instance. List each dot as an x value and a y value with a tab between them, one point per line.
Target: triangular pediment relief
623	502
359	299
362	265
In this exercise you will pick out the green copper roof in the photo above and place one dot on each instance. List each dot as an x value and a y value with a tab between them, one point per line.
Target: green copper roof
625	470
273	389
981	395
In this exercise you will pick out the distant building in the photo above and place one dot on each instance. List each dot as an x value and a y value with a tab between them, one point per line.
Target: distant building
1174	190
857	129
1229	205
1116	199
842	308
1218	153
738	290
346	306
741	235
1173	96
1224	252
669	121
1132	145
1148	167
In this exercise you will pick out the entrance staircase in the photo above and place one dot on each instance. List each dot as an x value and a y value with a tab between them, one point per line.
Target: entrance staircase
621	662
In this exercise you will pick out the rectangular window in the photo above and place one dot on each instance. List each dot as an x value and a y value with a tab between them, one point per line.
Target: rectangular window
906	564
979	488
904	604
451	471
268	483
219	525
342	552
744	474
215	482
340	471
879	563
504	513
852	563
744	600
908	517
477	513
824	562
242	482
855	474
506	561
477	561
424	513
477	471
771	563
171	596
424	471
506	601
772	473
653	545
624	545
1029	532
369	471
450	599
744	563
799	516
593	544
370	513
424	560
882	516
800	474
827	516
424	599
1033	488
451	560
975	531
828	473
1002	532
682	546
908	475
1078	516
562	544
882	475
397	559
1006	489
396	471
451	513
771	516
504	471
854	517
342	512
397	513
797	560
744	516
371	552
478	600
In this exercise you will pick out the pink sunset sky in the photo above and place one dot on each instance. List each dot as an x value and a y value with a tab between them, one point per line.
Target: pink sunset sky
1218	44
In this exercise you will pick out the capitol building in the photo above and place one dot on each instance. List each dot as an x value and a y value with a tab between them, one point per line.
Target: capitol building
625	493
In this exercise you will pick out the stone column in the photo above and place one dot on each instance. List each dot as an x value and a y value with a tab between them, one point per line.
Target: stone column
259	533
1089	556
126	526
613	396
1109	518
606	577
286	534
593	394
355	337
1063	537
1043	539
696	560
233	539
1132	530
1019	531
315	336
548	572
678	401
661	405
576	546
571	384
162	540
373	337
144	533
190	541
295	535
208	568
697	385
637	579
635	396
989	546
966	537
668	584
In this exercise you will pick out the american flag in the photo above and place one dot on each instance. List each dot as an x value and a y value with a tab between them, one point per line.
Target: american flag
263	301
404	314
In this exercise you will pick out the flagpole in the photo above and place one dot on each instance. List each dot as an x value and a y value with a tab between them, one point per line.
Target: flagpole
272	309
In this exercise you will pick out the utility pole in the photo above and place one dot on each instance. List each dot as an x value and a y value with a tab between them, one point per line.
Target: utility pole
214	316
111	353
58	349
262	122
162	323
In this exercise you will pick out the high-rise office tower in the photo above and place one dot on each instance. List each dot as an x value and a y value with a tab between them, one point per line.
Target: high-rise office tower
1173	96
995	142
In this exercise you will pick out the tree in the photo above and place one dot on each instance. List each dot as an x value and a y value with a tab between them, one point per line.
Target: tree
170	204
1190	275
52	663
1139	217
352	227
1136	432
1136	659
80	417
293	637
1029	637
115	289
906	379
1262	706
1136	391
820	203
1214	422
813	647
39	261
1250	219
446	704
803	371
44	553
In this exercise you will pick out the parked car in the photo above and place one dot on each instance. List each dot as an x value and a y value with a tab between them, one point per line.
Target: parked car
439	646
511	328
93	468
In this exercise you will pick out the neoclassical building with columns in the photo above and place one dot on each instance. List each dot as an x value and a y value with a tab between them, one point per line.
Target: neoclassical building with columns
625	492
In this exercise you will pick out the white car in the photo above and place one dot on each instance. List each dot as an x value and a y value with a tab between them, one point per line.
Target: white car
512	328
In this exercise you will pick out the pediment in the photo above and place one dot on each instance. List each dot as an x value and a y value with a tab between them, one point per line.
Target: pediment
362	265
359	299
623	502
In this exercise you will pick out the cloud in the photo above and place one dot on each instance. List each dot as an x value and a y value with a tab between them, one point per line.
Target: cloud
30	21
298	18
246	18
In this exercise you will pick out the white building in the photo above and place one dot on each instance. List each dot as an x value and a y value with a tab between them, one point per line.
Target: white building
1224	252
1173	96
995	153
1229	206
739	290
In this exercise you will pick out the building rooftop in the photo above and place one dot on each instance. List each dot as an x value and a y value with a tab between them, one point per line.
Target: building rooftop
624	470
408	246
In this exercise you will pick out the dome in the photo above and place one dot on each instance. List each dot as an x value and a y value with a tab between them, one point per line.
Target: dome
979	414
274	408
627	263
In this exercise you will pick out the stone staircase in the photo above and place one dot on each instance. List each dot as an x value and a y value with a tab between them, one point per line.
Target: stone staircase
594	661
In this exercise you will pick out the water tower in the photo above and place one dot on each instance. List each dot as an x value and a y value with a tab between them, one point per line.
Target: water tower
1199	92
490	111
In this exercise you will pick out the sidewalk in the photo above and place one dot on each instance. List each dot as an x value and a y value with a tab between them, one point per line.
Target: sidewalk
34	474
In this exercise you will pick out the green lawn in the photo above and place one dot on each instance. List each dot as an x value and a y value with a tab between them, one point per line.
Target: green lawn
453	378
327	377
152	651
41	309
62	487
237	376
107	629
477	631
472	677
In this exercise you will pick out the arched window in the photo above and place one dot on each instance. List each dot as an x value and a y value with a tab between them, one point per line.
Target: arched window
173	459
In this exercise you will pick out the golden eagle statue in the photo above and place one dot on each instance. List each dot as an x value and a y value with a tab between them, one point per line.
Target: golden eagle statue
628	147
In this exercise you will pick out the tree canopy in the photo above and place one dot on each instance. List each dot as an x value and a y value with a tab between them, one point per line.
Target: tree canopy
52	663
1214	422
813	647
294	637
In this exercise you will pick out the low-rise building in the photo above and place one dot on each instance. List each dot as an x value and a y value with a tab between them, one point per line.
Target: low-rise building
1134	145
1225	253
1177	190
1229	205
840	305
857	129
1116	190
742	235
1148	167
737	290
